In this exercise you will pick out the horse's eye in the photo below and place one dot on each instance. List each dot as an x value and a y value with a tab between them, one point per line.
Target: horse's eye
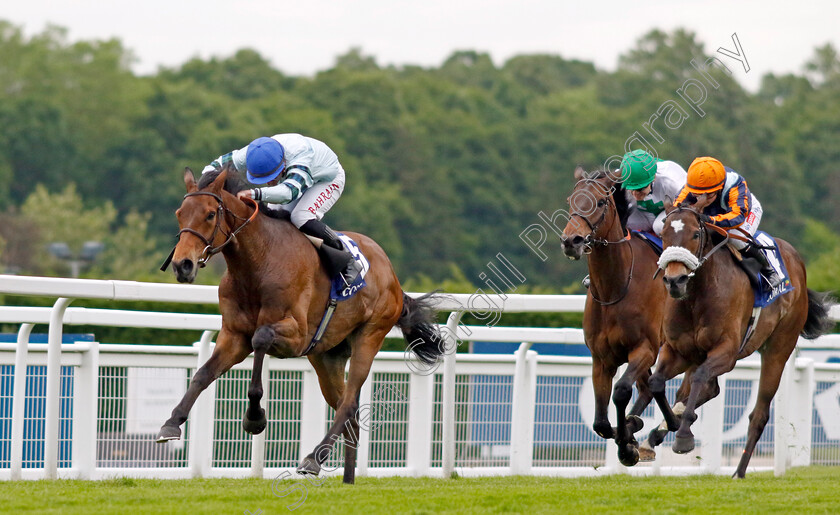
601	203
697	235
211	216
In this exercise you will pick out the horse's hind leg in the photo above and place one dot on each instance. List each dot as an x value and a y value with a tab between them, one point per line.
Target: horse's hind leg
230	350
330	369
364	347
772	366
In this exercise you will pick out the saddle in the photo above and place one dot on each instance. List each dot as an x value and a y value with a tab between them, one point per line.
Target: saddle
764	296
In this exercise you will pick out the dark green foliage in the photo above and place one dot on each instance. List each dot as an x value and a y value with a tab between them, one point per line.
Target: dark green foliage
446	166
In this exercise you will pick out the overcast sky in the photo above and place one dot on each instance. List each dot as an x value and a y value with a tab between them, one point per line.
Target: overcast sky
303	37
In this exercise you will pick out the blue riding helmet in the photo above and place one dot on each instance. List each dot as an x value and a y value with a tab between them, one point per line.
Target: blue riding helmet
264	160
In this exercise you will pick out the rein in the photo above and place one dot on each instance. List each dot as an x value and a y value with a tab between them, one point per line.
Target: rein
209	250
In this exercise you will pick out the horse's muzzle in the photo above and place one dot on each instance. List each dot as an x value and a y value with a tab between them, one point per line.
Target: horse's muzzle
677	285
573	246
185	270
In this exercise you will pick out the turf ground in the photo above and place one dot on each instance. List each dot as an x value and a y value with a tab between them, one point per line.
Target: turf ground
802	490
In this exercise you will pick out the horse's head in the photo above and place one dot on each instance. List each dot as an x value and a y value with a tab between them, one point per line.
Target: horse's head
683	239
206	222
598	212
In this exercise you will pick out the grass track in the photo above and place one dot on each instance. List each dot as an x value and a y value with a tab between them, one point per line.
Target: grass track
802	490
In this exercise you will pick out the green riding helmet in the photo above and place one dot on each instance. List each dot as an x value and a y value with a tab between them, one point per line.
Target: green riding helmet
638	169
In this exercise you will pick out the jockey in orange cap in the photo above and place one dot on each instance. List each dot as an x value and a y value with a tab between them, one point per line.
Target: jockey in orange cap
723	199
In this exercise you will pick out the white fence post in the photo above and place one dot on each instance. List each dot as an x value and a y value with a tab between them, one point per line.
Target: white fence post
53	401
258	441
202	416
421	396
803	390
19	400
448	400
523	407
712	430
85	407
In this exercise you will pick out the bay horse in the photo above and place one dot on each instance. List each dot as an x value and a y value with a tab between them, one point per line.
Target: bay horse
706	319
622	318
272	298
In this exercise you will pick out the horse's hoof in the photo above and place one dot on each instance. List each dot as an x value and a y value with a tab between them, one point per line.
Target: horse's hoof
646	454
168	433
257	426
309	467
683	444
635	424
628	454
604	431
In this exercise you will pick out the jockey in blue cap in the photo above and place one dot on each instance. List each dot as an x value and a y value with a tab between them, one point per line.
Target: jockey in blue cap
300	175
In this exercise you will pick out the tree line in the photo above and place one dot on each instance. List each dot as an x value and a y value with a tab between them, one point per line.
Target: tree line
446	166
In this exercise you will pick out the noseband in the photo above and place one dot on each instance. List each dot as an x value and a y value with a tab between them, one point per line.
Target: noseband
209	250
693	261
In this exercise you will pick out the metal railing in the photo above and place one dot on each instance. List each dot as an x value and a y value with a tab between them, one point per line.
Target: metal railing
484	414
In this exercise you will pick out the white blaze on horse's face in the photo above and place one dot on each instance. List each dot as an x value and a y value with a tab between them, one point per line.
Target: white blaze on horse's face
677	225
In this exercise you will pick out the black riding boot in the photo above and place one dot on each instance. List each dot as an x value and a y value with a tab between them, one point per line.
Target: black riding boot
336	259
773	278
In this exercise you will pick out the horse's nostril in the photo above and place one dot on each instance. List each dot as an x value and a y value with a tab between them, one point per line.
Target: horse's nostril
185	267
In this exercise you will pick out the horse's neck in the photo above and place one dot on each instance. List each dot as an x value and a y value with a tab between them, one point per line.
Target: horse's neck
609	265
255	244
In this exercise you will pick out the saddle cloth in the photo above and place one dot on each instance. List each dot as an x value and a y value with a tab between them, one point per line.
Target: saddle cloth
764	296
651	239
339	290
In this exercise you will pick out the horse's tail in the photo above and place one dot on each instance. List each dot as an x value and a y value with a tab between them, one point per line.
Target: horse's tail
818	322
417	322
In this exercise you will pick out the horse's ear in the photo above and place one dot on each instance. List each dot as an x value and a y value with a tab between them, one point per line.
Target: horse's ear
189	180
219	183
669	206
580	173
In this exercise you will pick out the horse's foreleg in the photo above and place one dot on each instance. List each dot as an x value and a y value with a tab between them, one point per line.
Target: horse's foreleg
254	421
602	377
229	351
703	385
639	363
275	337
670	364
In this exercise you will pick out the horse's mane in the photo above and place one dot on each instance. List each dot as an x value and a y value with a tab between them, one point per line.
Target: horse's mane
234	183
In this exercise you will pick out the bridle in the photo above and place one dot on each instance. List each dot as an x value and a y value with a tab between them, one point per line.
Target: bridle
210	250
678	254
590	241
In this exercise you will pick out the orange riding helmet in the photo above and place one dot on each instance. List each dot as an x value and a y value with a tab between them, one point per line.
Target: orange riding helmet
706	174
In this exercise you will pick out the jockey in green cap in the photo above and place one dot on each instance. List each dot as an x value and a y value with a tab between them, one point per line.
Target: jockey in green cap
652	183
